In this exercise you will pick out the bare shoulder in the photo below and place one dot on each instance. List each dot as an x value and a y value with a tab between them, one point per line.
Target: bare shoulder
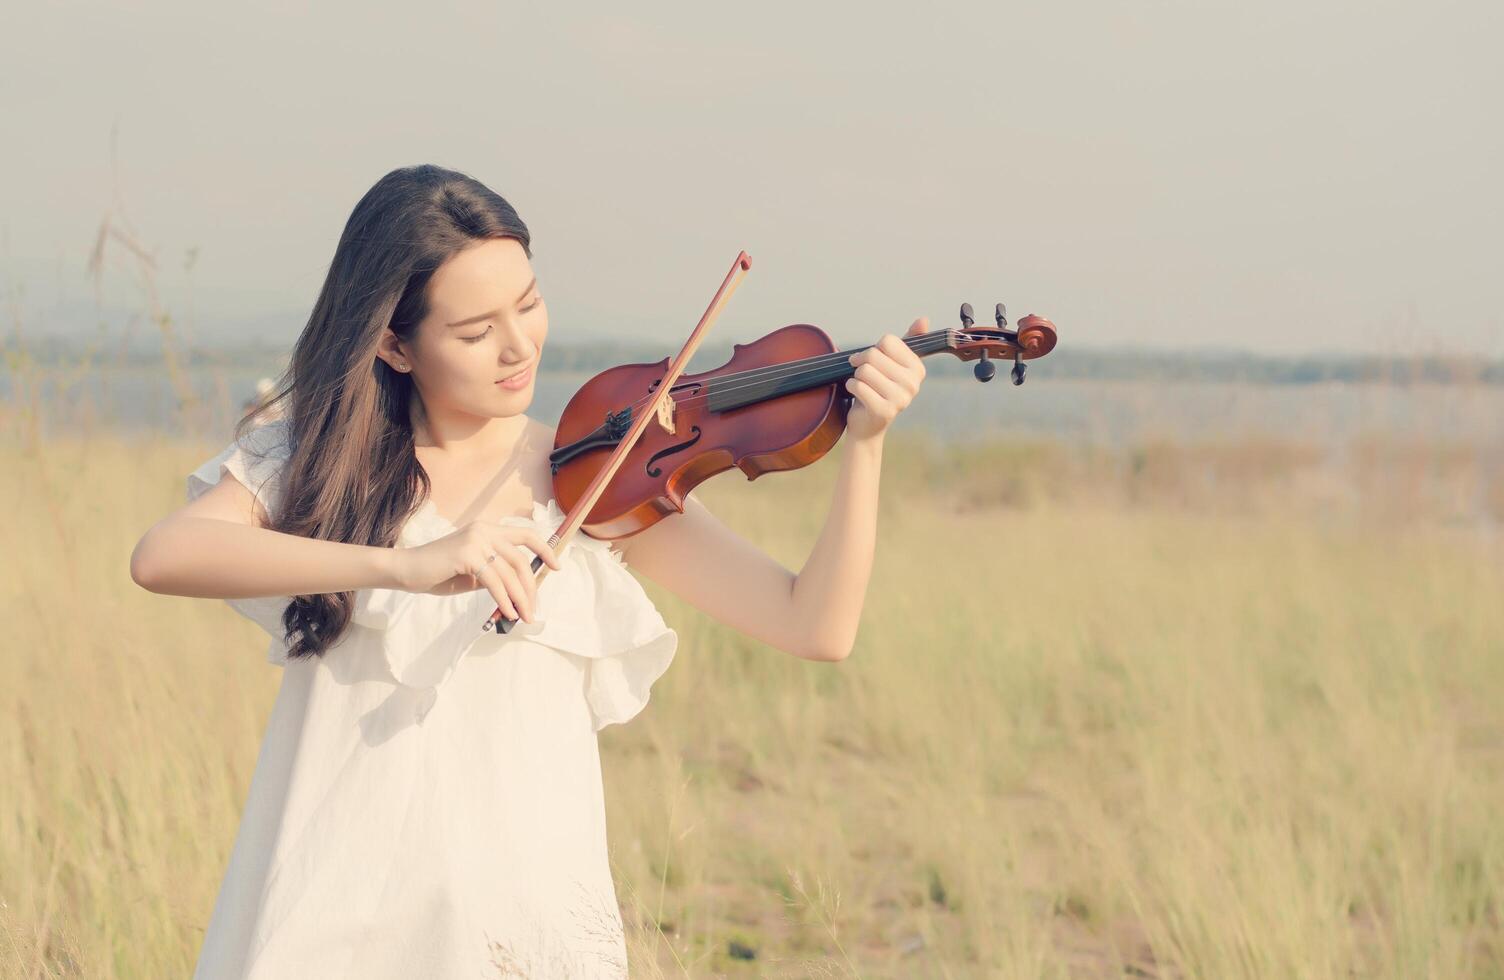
540	438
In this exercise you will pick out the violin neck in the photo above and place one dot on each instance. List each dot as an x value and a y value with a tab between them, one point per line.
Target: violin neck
730	391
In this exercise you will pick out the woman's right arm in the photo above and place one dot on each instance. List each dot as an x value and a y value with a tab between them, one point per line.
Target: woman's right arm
217	547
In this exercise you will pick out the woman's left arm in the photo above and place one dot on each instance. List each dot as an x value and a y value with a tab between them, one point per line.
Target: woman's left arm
814	614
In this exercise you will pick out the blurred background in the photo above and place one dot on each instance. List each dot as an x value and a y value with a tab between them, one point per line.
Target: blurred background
1182	659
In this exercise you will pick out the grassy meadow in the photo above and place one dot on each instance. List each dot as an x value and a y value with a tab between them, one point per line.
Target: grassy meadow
1216	710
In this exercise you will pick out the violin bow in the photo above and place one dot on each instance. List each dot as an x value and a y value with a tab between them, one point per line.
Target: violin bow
577	514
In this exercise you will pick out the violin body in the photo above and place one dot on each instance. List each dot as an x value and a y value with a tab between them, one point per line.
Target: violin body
782	433
780	403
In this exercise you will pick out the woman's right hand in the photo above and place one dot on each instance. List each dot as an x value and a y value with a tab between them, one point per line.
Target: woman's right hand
457	563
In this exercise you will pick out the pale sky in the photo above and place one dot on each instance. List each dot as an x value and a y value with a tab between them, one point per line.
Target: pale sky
1275	176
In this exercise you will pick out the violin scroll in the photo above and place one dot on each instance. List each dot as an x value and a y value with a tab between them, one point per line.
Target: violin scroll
1035	337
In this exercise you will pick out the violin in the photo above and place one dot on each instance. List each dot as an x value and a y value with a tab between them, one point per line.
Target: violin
636	439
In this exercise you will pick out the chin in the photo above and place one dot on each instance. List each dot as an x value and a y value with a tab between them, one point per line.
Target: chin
516	402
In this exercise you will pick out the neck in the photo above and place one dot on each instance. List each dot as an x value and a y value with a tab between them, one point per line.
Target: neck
464	436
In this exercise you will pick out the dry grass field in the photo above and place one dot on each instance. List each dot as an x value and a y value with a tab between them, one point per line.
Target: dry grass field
1214	711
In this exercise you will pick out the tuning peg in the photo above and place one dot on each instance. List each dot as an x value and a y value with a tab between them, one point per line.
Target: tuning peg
1002	315
966	318
985	369
1018	371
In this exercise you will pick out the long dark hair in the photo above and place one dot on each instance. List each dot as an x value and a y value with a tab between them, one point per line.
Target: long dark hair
352	474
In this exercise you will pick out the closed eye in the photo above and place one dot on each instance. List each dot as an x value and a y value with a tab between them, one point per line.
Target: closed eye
482	336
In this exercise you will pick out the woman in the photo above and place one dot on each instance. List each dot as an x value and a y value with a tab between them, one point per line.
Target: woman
427	801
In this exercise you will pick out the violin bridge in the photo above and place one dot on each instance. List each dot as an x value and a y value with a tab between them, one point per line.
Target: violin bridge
666	414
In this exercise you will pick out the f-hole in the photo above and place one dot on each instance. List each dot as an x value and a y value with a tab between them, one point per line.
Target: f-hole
654	471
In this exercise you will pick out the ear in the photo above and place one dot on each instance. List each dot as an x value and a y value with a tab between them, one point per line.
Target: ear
393	352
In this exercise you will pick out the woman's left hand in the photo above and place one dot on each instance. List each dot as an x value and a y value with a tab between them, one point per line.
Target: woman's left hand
887	378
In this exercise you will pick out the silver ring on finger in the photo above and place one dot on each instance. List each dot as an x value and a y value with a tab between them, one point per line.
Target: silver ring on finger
490	558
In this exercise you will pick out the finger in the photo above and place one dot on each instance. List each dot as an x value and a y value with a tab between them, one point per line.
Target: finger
874	352
888	389
875	403
878	358
496	581
898	388
512	586
521	563
899	352
540	546
921	325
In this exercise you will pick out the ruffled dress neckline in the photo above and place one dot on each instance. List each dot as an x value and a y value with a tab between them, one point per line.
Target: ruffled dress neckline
591	607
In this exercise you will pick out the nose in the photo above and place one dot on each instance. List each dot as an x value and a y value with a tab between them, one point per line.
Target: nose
519	358
519	349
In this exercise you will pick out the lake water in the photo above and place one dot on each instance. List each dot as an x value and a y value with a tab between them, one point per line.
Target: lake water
1108	413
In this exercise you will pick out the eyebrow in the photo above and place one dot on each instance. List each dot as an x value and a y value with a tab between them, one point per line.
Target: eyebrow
487	316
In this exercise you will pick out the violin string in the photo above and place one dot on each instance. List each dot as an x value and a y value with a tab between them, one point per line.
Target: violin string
796	370
758	377
933	342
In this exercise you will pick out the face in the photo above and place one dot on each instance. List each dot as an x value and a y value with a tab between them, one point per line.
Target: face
486	323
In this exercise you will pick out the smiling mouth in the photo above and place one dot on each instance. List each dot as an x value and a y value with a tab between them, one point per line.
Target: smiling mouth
514	376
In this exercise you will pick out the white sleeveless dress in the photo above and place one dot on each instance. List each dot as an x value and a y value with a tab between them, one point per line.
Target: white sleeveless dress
427	801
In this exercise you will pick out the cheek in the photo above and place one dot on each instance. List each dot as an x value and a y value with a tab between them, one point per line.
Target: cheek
461	365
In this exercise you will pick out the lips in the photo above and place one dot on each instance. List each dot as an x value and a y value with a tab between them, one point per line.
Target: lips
513	377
